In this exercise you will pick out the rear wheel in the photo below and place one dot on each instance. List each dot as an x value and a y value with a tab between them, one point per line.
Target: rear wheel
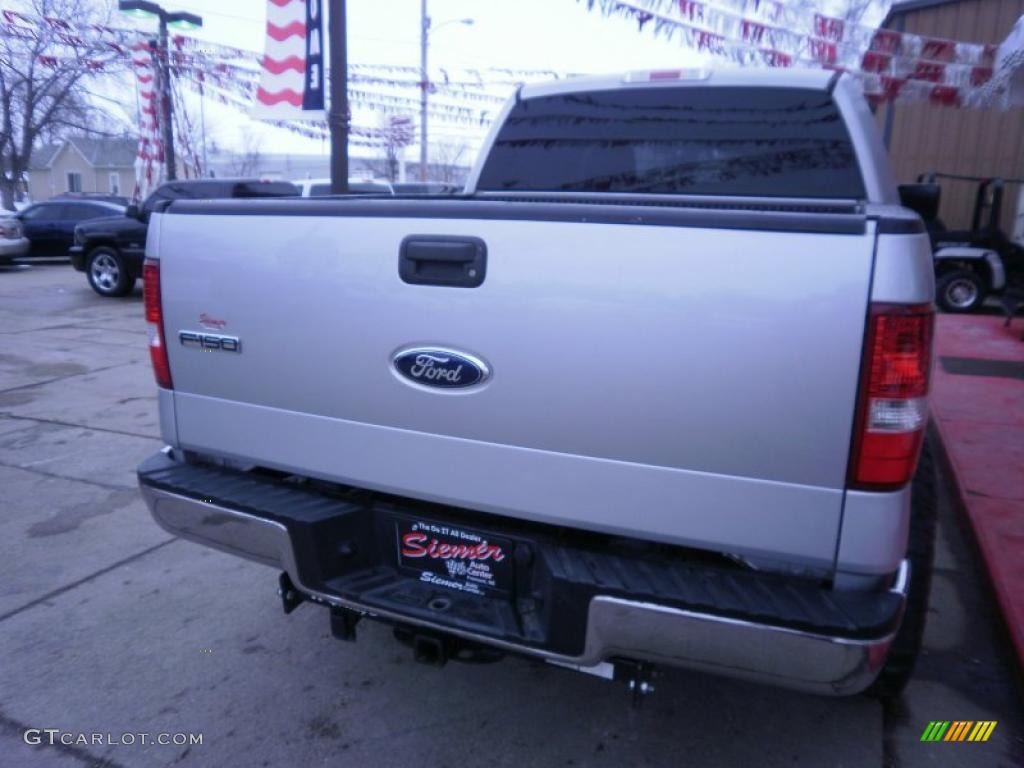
108	275
906	646
960	291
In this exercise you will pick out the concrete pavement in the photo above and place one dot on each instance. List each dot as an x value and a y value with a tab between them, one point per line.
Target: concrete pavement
107	624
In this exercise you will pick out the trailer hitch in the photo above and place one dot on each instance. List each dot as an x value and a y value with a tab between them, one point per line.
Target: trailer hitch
343	623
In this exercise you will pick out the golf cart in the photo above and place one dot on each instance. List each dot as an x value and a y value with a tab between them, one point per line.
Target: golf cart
974	263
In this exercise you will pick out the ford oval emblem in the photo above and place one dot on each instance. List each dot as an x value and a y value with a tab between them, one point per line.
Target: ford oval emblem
440	368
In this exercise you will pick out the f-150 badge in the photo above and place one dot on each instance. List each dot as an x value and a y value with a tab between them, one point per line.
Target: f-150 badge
440	368
209	342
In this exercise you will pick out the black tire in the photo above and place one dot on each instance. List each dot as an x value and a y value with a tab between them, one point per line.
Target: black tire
906	646
107	272
960	291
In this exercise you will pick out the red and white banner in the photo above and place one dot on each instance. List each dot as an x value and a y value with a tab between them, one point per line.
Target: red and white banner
1005	88
149	160
292	80
287	83
890	64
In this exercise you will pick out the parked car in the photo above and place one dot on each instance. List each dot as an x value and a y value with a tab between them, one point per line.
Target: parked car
322	187
653	391
13	242
50	225
110	252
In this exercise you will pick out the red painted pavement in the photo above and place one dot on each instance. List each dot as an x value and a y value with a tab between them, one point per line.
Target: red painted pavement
981	423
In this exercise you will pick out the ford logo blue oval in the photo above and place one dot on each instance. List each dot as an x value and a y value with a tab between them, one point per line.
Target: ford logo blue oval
440	368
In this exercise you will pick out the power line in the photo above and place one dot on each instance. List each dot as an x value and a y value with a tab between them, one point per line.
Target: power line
408	42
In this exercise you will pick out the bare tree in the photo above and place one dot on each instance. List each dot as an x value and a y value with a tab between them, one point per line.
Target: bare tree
396	132
247	162
391	160
450	162
385	165
45	66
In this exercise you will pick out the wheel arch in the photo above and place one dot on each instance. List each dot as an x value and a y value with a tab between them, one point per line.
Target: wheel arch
977	264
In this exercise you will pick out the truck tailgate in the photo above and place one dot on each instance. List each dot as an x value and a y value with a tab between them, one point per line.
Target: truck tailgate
689	380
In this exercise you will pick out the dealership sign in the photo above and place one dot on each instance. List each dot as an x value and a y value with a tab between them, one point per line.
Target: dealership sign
292	78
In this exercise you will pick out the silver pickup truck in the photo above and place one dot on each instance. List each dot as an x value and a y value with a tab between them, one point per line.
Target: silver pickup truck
651	391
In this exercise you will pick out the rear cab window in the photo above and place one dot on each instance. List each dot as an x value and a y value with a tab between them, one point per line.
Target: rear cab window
265	189
735	141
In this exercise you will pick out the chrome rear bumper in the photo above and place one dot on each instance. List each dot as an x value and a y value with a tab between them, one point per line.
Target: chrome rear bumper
615	627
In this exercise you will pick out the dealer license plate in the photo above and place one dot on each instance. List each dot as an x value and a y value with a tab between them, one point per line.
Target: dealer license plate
455	557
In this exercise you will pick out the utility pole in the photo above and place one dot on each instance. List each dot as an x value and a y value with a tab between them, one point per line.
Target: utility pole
425	30
424	86
337	116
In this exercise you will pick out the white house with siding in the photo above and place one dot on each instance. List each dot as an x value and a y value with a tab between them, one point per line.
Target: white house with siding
83	164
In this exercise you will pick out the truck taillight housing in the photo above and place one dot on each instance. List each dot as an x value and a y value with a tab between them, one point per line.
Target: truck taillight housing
155	320
892	408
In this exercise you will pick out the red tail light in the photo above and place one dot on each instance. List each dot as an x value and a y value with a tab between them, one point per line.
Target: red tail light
155	319
892	408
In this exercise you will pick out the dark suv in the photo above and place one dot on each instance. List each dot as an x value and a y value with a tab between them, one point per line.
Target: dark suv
50	225
111	251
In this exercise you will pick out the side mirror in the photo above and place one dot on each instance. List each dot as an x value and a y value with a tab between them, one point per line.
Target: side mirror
923	199
133	212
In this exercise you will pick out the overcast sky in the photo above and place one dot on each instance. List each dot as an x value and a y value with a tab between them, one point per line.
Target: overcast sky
559	34
527	34
524	34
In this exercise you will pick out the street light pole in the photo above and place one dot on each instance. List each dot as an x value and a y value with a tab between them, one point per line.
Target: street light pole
424	85
166	103
162	66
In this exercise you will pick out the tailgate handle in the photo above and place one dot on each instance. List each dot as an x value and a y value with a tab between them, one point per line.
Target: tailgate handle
443	260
